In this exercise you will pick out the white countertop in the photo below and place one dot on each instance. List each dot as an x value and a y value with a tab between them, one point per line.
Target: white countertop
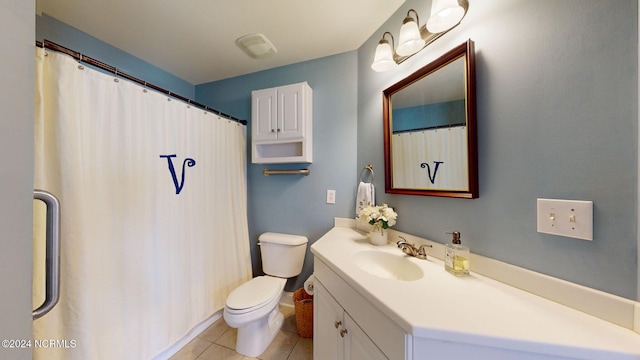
475	309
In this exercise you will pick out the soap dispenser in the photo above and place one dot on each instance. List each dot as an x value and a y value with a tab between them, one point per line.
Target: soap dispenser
456	256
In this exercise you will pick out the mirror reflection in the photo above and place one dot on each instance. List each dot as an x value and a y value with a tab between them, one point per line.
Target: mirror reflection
430	129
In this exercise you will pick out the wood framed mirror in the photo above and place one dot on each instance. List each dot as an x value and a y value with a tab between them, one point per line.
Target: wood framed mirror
430	133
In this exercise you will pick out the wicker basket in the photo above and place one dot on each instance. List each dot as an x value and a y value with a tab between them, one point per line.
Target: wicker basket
303	303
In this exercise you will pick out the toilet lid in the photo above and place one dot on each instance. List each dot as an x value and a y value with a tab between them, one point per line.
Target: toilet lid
255	293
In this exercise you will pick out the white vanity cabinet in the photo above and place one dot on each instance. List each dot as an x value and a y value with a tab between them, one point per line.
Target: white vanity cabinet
440	316
347	326
281	124
336	335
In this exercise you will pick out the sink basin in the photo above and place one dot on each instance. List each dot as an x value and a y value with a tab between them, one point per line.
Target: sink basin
387	266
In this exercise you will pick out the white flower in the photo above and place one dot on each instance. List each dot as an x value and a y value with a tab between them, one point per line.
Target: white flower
381	216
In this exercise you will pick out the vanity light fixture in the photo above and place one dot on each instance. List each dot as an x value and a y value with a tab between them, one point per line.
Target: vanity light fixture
445	15
385	58
410	41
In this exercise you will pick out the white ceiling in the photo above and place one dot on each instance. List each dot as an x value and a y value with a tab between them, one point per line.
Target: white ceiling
195	39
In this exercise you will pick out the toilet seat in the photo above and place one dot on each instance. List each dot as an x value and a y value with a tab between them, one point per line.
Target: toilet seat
255	294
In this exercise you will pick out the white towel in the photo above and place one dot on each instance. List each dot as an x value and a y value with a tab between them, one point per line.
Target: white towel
366	196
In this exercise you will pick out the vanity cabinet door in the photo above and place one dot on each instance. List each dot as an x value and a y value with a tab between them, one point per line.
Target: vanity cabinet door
327	323
358	346
335	334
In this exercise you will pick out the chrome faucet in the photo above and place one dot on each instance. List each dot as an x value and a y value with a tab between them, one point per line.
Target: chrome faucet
410	249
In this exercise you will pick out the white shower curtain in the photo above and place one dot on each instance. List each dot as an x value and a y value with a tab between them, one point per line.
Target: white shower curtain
425	160
154	226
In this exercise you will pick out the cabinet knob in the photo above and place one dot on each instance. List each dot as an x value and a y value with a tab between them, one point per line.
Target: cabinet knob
343	332
337	324
273	130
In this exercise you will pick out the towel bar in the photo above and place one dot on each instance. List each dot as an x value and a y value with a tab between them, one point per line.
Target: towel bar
268	172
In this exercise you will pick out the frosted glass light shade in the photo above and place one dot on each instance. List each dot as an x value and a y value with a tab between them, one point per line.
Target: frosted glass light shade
445	14
410	41
383	59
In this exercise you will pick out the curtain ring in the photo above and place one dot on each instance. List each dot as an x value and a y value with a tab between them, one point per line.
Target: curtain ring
116	78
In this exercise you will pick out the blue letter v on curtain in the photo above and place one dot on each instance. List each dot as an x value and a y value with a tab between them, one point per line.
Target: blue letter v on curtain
187	161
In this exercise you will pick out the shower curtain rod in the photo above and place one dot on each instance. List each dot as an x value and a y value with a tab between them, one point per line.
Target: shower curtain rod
112	69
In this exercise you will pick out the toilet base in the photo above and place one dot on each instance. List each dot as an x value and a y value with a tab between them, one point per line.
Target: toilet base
254	337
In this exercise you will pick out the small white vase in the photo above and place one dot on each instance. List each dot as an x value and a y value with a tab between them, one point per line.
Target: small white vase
379	237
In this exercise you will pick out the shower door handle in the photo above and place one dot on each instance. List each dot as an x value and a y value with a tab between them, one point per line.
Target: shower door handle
52	269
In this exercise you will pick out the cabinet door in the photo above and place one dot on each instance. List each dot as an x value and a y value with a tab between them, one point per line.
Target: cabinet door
327	323
358	346
264	115
291	111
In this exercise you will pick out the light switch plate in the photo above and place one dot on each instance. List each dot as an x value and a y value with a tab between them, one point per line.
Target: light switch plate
570	218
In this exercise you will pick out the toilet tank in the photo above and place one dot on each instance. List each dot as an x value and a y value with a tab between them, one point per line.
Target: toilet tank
282	254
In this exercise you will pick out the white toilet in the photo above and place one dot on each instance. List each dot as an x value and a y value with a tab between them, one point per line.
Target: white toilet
252	308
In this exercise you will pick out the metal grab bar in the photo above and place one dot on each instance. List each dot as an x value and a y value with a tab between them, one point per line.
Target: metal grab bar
52	276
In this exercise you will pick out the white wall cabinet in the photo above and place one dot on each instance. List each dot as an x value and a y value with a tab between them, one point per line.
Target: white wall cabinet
281	124
336	334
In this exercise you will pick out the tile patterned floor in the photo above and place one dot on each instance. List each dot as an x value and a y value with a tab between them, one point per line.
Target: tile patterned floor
219	341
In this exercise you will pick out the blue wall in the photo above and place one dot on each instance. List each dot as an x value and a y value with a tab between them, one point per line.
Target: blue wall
557	118
292	203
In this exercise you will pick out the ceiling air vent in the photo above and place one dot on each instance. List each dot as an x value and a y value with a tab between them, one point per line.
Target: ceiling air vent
256	45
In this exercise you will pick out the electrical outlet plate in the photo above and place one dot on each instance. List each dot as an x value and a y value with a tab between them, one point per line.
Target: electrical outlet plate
570	218
331	196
